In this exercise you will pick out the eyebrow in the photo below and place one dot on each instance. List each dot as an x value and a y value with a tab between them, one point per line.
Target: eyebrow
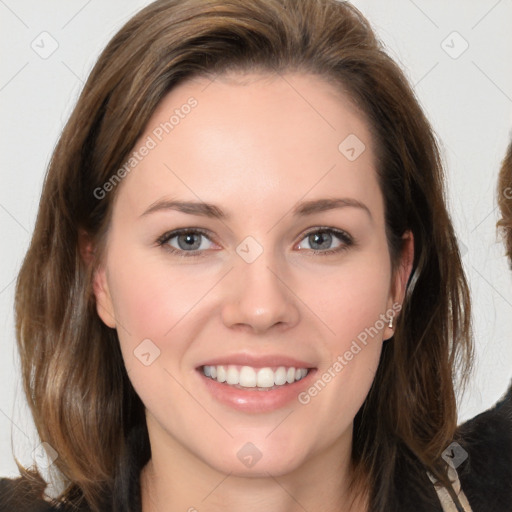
322	205
190	207
210	210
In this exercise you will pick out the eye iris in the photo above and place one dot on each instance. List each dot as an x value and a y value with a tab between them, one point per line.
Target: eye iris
321	240
189	241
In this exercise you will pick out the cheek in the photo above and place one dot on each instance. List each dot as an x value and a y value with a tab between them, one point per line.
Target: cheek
151	297
350	300
154	306
352	304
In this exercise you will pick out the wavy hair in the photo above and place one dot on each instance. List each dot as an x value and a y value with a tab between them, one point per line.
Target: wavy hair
505	201
79	393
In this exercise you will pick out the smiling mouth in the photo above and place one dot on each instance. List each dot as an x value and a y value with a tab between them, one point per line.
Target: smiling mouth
254	379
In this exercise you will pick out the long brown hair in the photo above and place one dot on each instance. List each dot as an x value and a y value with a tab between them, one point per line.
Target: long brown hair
81	398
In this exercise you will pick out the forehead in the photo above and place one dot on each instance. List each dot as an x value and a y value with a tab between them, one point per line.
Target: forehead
260	138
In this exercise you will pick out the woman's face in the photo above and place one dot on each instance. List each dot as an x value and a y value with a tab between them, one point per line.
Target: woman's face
248	245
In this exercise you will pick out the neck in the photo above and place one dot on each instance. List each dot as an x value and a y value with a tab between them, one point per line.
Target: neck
176	480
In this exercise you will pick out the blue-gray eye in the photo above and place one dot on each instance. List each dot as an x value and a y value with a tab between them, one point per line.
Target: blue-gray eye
187	241
325	240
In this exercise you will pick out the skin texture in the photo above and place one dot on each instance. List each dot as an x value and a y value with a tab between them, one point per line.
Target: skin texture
255	148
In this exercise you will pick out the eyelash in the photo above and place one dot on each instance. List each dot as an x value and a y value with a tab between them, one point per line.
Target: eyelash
342	236
163	240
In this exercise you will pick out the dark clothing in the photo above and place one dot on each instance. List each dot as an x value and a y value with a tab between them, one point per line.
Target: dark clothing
486	476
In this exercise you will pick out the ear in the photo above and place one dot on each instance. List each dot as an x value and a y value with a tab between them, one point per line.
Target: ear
104	304
400	280
86	246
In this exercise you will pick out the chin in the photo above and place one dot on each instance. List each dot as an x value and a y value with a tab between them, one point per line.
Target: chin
256	460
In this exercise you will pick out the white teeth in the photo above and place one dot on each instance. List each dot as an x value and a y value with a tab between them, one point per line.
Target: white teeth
265	378
249	377
232	376
221	373
280	376
300	373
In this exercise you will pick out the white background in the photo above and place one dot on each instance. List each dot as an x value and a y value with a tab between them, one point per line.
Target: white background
468	99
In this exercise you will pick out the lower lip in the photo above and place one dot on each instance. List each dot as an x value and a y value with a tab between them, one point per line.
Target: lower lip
255	400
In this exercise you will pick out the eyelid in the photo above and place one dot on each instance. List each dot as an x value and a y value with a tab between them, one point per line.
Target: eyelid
163	239
179	231
345	237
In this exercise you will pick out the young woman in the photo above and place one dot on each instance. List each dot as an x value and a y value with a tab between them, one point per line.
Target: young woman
243	289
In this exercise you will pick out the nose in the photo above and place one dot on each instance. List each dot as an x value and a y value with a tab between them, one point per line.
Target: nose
258	299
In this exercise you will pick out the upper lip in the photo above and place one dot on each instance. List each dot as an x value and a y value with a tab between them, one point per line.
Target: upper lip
257	361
